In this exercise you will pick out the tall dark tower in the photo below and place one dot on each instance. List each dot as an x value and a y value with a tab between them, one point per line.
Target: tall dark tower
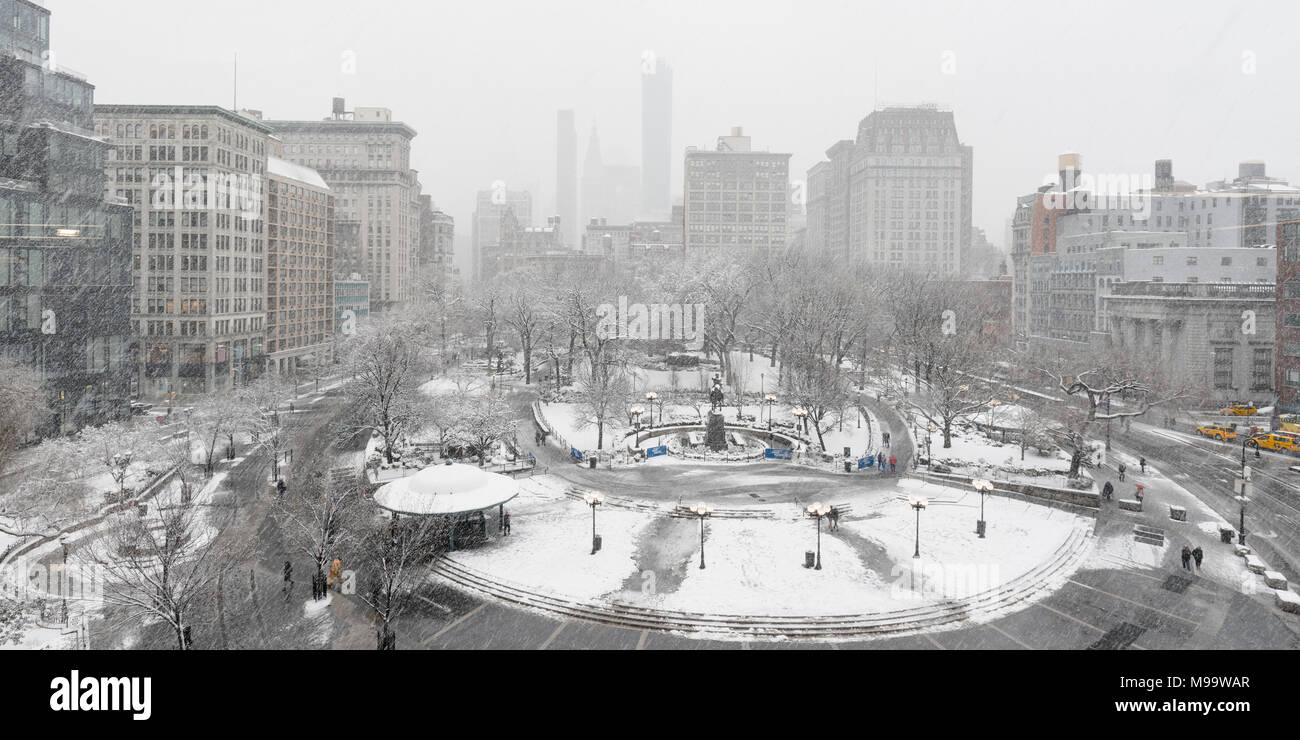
656	138
566	175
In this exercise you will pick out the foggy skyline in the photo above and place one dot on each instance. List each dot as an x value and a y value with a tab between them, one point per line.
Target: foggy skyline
1121	84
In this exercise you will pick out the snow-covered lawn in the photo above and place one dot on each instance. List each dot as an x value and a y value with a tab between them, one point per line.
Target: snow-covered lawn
755	566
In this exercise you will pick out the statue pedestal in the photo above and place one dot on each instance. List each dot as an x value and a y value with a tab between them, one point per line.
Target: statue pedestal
715	435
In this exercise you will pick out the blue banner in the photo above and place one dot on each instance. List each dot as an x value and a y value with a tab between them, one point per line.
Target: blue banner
573	453
656	451
866	462
772	454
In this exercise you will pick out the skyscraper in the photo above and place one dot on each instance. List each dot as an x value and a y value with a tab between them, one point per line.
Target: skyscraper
656	138
566	175
593	180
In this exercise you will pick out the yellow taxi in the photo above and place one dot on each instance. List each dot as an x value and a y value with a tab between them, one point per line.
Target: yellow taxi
1239	409
1286	441
1221	432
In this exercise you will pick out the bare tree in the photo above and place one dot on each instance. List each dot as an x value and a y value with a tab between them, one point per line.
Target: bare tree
392	567
602	396
164	565
317	516
487	421
387	364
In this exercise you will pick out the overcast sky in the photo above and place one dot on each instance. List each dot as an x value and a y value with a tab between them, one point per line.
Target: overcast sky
1205	83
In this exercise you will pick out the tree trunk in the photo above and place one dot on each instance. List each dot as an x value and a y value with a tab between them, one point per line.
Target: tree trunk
947	434
528	364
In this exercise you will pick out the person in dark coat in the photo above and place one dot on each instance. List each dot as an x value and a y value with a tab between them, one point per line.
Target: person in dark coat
1107	490
505	523
288	579
1143	462
1187	557
1122	468
1198	555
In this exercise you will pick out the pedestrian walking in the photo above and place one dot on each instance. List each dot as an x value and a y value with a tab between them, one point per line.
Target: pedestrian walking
834	518
336	574
1107	490
893	464
880	456
1122	468
280	487
1198	555
1143	462
1139	492
288	579
1187	558
505	523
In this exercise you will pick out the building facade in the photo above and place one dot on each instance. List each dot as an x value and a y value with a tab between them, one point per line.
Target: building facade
899	195
195	176
365	157
736	198
1194	334
491	207
65	252
300	268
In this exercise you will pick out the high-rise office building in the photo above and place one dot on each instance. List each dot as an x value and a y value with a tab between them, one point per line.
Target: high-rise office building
566	174
196	178
656	138
65	253
300	268
736	198
365	157
899	195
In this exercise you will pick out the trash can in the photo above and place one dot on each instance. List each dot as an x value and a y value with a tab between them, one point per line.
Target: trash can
592	463
595	543
809	559
979	527
1225	535
848	466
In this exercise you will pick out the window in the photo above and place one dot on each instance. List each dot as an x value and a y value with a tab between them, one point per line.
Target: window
1261	261
1158	260
1261	370
1226	262
1191	260
1223	367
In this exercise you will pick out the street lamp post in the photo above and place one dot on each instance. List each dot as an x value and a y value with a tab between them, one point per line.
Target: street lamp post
802	415
917	503
770	400
63	577
983	487
593	499
636	412
819	510
929	431
702	511
650	398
